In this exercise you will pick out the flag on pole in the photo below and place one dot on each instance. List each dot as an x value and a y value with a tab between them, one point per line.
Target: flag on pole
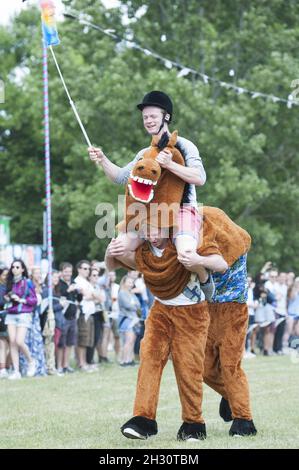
49	23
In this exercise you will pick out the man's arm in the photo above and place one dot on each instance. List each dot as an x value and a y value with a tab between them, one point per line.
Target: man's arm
188	174
193	172
194	262
114	172
114	261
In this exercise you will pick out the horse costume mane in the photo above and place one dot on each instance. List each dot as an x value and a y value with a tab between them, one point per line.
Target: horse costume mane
153	192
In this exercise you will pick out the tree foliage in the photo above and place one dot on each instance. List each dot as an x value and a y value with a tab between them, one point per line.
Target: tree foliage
249	146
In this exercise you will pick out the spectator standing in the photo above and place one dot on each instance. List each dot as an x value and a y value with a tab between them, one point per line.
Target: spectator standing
252	305
34	339
292	324
69	292
264	314
281	293
51	341
99	299
20	294
141	292
111	317
86	319
3	328
129	306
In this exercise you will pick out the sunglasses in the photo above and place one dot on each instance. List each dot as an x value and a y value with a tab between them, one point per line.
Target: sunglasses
16	267
85	269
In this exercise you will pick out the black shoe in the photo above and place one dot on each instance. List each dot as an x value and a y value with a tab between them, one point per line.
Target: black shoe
132	363
225	411
104	359
242	427
192	432
68	370
139	428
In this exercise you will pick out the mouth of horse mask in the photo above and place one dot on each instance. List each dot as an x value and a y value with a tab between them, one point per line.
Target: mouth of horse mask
156	189
140	188
146	173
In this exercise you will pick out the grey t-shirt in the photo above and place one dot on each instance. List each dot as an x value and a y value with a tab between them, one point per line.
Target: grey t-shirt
192	160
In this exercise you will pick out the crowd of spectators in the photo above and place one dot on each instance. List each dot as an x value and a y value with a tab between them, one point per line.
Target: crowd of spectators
91	315
96	320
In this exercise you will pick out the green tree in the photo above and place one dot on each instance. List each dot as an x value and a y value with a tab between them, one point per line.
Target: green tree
249	146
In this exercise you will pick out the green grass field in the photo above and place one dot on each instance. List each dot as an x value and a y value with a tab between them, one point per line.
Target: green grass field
85	411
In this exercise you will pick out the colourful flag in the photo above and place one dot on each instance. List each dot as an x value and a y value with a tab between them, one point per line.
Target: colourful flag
48	22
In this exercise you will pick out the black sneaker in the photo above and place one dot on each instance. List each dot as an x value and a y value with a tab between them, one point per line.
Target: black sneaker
132	363
104	359
139	428
225	411
192	432
68	370
242	427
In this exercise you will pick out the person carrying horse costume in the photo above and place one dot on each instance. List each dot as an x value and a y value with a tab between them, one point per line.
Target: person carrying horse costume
178	324
174	329
157	111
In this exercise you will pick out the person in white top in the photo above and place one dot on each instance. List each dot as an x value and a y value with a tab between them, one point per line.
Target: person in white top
85	321
252	326
281	294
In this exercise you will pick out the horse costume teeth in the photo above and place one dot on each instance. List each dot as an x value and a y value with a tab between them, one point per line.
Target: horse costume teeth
143	180
141	195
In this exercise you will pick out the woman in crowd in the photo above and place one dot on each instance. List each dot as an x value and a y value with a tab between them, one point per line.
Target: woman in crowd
252	326
59	303
292	326
87	309
3	328
129	307
34	339
264	313
20	293
99	299
110	333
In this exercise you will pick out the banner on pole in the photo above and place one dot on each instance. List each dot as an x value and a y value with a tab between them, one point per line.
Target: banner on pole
49	23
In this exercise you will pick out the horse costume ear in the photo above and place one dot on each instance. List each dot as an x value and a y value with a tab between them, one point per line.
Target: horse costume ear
173	139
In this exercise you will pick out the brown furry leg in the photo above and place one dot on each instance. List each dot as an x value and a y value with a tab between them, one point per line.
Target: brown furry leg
187	348
230	332
154	352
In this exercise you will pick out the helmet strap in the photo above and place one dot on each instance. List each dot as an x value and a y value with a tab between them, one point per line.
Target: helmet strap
163	122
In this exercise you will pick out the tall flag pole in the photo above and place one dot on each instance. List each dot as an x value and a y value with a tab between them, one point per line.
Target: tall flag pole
50	37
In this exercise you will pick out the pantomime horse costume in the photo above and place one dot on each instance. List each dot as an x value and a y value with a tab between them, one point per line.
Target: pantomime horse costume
183	330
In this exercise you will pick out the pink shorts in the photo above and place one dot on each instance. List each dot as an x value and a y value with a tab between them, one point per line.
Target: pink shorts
189	222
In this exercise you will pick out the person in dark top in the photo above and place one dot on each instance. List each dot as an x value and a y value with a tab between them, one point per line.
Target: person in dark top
70	292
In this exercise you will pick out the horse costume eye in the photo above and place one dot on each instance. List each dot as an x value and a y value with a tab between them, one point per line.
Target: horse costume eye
154	172
140	167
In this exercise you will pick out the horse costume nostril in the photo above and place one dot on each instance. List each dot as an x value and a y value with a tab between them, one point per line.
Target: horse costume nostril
154	172
140	168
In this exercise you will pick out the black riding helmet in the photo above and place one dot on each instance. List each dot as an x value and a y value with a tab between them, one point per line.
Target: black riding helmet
159	99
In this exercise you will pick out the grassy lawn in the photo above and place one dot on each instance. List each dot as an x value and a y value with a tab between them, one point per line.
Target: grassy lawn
86	410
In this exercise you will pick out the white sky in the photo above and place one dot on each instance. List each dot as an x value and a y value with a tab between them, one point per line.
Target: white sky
10	7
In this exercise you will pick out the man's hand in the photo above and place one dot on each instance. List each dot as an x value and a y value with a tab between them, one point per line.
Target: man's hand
190	259
95	154
73	287
164	158
116	247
